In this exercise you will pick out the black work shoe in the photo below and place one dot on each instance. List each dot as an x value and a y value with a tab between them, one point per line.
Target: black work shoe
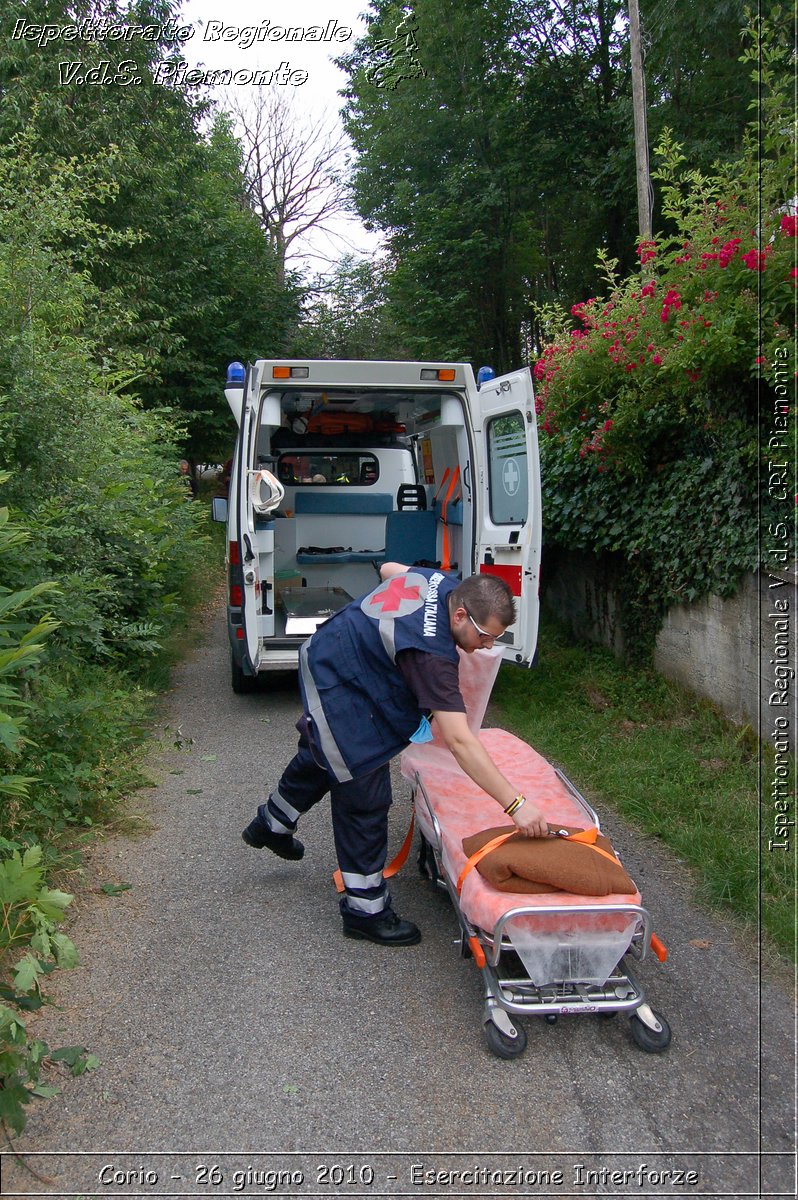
258	834
386	928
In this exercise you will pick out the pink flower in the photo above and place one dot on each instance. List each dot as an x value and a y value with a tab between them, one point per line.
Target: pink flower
755	260
657	359
672	300
789	225
728	252
646	251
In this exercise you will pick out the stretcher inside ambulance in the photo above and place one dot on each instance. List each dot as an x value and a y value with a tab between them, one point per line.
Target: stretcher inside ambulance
340	466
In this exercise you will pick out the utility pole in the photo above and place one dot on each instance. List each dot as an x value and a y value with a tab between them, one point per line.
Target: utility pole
641	126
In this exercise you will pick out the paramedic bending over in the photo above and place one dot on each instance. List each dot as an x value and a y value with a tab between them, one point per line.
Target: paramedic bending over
370	677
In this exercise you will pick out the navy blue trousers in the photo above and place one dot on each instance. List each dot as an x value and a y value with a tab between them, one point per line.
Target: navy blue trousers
359	817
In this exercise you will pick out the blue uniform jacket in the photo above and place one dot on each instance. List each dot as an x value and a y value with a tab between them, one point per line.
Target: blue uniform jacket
361	711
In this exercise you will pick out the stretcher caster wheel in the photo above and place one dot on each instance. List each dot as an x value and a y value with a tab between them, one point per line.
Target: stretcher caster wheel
650	1037
551	1018
427	867
504	1044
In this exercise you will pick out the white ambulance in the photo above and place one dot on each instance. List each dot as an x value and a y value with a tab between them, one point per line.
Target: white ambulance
340	466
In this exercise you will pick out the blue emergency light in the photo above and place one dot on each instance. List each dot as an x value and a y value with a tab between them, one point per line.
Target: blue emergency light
236	374
483	375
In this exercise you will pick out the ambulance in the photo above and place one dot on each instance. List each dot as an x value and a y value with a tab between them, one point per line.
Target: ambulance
340	466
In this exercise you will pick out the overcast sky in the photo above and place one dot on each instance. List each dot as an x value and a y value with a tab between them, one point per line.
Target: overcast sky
214	44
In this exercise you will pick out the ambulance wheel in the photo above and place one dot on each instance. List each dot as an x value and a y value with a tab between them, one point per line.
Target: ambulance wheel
242	685
502	1044
649	1039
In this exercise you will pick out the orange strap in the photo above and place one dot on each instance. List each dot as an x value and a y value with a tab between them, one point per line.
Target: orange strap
480	854
588	837
442	486
585	836
446	553
394	866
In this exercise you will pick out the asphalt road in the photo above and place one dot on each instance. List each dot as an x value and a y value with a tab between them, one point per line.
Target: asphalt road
247	1048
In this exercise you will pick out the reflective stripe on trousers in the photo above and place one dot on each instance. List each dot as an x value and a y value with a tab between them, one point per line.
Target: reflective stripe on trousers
359	810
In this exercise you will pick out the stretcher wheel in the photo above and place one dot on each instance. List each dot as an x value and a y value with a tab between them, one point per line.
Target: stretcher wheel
502	1044
426	861
650	1040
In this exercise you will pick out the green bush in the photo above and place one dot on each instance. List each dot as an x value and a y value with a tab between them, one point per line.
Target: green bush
651	408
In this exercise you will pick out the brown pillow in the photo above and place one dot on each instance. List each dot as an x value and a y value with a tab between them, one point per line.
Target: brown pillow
550	864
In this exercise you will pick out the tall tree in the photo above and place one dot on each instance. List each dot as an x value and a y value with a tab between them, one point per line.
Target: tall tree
695	83
436	172
293	170
199	276
501	167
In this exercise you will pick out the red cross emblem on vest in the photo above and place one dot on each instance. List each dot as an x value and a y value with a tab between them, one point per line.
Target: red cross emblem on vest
391	596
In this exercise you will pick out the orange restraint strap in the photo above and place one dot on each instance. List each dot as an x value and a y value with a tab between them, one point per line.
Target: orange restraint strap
446	553
395	865
479	855
587	836
442	485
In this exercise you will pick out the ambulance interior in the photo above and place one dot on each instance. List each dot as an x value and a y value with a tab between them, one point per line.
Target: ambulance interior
369	476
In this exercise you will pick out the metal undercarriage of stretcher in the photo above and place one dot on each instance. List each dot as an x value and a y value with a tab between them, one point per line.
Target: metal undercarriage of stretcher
509	991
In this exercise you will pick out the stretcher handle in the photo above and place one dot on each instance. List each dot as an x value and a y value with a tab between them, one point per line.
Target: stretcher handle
658	948
395	865
586	836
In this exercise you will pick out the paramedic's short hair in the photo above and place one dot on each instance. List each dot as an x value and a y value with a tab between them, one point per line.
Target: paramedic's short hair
485	596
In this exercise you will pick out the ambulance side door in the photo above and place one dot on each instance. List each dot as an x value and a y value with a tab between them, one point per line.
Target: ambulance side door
507	499
251	589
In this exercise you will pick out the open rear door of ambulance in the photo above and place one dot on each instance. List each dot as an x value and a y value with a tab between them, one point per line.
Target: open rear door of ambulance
248	557
508	517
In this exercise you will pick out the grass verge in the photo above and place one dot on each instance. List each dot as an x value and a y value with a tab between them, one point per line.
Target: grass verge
666	761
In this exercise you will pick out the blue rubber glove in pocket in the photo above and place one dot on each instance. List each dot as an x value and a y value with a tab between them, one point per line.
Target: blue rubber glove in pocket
423	733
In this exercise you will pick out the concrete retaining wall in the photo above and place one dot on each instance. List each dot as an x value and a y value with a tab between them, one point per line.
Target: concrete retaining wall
739	653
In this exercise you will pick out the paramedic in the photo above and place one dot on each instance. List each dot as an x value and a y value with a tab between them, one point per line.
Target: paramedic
370	675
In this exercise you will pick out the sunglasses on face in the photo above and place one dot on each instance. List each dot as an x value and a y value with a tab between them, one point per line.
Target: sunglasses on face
482	632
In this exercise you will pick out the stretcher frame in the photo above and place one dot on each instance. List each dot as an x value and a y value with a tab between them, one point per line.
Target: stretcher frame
508	993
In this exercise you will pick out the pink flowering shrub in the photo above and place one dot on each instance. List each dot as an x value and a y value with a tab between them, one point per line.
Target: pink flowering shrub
685	339
649	397
670	344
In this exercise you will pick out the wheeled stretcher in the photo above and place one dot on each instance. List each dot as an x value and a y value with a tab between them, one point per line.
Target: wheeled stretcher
544	954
